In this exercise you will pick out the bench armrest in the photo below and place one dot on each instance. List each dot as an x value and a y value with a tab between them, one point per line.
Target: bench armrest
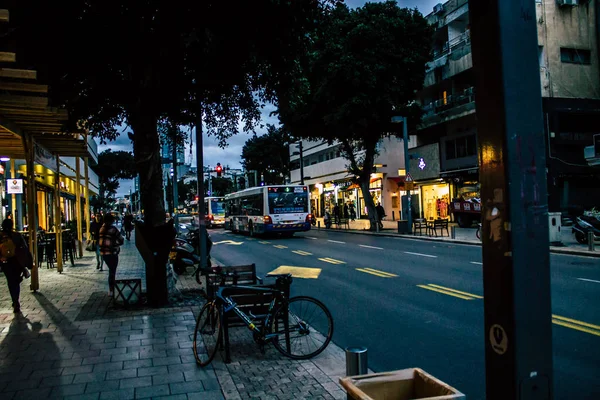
259	279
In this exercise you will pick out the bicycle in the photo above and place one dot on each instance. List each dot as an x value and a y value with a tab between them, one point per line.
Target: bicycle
272	327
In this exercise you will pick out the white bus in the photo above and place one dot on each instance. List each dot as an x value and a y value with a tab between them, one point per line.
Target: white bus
214	211
281	209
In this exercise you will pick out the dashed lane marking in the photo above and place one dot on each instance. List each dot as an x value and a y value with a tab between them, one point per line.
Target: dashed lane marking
264	242
370	247
331	260
311	237
588	280
302	253
476	263
376	272
420	254
280	246
336	241
450	292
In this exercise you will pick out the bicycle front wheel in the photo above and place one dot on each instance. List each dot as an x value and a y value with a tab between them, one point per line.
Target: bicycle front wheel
207	334
304	331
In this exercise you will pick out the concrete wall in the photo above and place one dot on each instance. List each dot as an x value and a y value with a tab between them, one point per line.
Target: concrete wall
572	27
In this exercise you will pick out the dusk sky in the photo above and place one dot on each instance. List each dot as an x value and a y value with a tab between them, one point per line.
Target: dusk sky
231	154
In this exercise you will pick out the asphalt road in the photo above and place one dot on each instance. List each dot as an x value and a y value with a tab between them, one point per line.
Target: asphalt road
416	303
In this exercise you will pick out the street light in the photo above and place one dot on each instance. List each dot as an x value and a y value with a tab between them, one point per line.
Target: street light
404	121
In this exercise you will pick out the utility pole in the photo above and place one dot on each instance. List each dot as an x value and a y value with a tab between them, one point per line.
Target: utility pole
516	259
175	191
200	178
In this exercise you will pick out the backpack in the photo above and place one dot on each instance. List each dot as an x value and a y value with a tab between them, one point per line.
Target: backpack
8	249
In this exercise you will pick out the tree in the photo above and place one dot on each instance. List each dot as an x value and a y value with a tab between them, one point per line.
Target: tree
112	166
364	67
220	186
268	155
211	60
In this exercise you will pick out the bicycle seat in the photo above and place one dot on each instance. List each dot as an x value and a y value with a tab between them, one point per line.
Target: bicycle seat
281	279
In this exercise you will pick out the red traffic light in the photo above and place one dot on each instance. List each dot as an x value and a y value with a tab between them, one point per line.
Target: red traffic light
219	169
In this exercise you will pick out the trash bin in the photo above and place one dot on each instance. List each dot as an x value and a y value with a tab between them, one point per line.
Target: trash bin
411	383
554	223
403	226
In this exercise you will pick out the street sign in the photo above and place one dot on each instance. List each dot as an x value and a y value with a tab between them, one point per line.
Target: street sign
408	178
409	185
14	186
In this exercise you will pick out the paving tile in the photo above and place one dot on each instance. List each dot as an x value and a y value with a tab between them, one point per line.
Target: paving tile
137	363
150	371
152	391
124	394
82	369
68	390
136	382
171	377
91	396
174	360
90	377
208	395
32	394
211	384
121	374
198	373
125	357
102	386
172	397
96	360
108	366
186	387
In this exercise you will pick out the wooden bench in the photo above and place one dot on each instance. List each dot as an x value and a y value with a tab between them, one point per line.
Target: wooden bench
441	224
341	223
236	275
419	225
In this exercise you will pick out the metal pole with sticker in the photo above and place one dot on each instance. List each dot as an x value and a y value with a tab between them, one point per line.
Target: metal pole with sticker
516	259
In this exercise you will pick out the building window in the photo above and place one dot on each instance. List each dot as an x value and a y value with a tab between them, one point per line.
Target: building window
465	146
541	57
575	56
320	157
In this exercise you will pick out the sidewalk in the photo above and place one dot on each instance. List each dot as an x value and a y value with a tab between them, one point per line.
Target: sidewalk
462	236
69	342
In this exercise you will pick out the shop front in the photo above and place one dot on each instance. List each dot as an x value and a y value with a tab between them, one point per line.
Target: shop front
434	192
435	199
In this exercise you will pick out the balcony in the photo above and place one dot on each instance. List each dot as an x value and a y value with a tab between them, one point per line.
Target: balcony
455	106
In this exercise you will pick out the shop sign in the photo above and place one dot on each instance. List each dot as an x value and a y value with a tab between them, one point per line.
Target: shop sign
425	162
14	186
329	187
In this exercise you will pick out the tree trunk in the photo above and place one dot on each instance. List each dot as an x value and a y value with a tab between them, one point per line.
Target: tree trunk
146	153
364	187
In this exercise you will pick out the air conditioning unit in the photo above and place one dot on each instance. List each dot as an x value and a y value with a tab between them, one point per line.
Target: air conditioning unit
438	8
568	3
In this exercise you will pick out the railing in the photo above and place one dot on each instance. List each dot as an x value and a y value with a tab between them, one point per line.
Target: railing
455	100
447	48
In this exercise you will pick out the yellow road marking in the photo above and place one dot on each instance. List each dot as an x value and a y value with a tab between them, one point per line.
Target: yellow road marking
302	253
375	272
264	242
574	321
456	291
280	246
445	292
576	327
332	260
297	272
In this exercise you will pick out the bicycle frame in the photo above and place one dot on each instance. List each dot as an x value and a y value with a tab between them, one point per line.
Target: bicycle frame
229	305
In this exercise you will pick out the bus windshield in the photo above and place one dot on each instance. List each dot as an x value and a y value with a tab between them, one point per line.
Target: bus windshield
286	200
216	207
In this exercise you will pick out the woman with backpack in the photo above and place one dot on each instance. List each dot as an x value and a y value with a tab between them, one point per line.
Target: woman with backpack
15	259
110	241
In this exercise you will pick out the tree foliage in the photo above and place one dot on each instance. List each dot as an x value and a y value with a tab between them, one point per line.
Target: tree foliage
112	62
112	166
364	67
268	155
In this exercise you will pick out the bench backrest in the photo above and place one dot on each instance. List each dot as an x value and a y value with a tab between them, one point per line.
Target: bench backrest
245	275
441	223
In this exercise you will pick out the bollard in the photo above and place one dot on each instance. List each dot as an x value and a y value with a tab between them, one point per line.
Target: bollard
453	232
318	224
356	363
591	244
393	216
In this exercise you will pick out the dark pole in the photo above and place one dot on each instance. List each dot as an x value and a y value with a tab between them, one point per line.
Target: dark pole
175	191
516	260
301	163
407	168
200	178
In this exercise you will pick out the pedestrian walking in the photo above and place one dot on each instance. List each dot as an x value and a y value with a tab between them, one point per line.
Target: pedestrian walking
110	241
16	261
95	231
336	214
380	214
352	211
128	225
346	211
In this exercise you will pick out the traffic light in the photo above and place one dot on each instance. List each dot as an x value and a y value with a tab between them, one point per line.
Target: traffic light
219	170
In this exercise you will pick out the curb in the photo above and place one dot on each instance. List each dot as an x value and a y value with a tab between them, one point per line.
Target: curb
553	249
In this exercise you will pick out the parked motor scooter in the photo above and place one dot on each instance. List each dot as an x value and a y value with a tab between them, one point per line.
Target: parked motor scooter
183	253
583	225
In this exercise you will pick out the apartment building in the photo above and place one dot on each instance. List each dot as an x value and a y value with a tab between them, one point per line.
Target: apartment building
330	183
568	35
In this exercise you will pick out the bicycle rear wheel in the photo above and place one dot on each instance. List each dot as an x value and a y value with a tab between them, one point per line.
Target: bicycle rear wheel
310	328
207	334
